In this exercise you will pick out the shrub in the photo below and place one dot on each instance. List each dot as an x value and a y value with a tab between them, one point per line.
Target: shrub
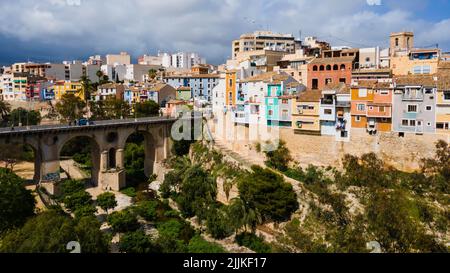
130	192
147	210
123	221
253	242
267	192
137	242
200	245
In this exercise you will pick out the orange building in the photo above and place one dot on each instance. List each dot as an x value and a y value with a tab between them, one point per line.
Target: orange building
329	71
230	80
372	106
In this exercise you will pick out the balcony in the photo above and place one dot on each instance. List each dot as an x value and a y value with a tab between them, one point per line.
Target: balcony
327	101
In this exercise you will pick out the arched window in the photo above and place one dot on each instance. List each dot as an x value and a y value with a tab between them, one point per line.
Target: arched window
328	67
342	66
322	68
335	67
315	68
112	158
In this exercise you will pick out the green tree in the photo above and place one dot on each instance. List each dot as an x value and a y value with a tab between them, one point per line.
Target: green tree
71	107
242	216
107	201
253	242
17	204
25	117
77	200
147	109
199	245
97	110
265	191
69	187
198	192
123	221
438	168
174	236
99	75
115	108
391	221
91	238
138	243
49	232
86	87
280	158
147	210
217	224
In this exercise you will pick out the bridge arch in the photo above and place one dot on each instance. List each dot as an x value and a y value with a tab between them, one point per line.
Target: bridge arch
82	142
148	141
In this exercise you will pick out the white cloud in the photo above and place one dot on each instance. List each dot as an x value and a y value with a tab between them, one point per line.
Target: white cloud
206	26
374	2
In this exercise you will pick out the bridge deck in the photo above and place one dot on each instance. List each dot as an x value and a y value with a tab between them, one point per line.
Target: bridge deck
97	124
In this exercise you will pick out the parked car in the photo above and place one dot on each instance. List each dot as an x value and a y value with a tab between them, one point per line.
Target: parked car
84	122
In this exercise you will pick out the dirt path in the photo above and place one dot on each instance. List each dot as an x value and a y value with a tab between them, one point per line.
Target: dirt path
72	168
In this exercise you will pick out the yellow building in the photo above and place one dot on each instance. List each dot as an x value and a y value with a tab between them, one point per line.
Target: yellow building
20	82
306	112
67	87
443	99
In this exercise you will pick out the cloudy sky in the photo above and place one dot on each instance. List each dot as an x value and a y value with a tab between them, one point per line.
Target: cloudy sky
55	30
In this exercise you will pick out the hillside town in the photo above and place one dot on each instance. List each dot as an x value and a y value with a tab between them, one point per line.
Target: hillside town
273	79
293	145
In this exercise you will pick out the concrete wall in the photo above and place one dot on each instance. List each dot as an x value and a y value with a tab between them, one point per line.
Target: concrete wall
403	153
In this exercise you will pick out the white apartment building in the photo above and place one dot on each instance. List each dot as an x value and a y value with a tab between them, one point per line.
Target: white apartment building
181	60
151	60
260	40
6	87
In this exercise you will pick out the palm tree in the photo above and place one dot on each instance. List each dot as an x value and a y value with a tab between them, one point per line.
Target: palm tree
86	86
99	75
241	215
152	74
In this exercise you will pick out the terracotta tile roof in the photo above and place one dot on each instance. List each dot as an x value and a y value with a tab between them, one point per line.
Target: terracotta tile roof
184	88
201	76
269	77
374	84
157	87
287	97
177	102
422	80
310	96
368	71
333	60
340	88
109	86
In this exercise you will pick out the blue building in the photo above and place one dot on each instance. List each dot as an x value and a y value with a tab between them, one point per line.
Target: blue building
201	85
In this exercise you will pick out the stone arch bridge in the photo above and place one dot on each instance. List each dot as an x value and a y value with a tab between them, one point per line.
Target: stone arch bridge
108	139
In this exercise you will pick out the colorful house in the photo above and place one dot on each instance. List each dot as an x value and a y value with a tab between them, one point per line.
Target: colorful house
67	87
443	100
372	106
326	71
20	83
306	112
414	104
184	93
